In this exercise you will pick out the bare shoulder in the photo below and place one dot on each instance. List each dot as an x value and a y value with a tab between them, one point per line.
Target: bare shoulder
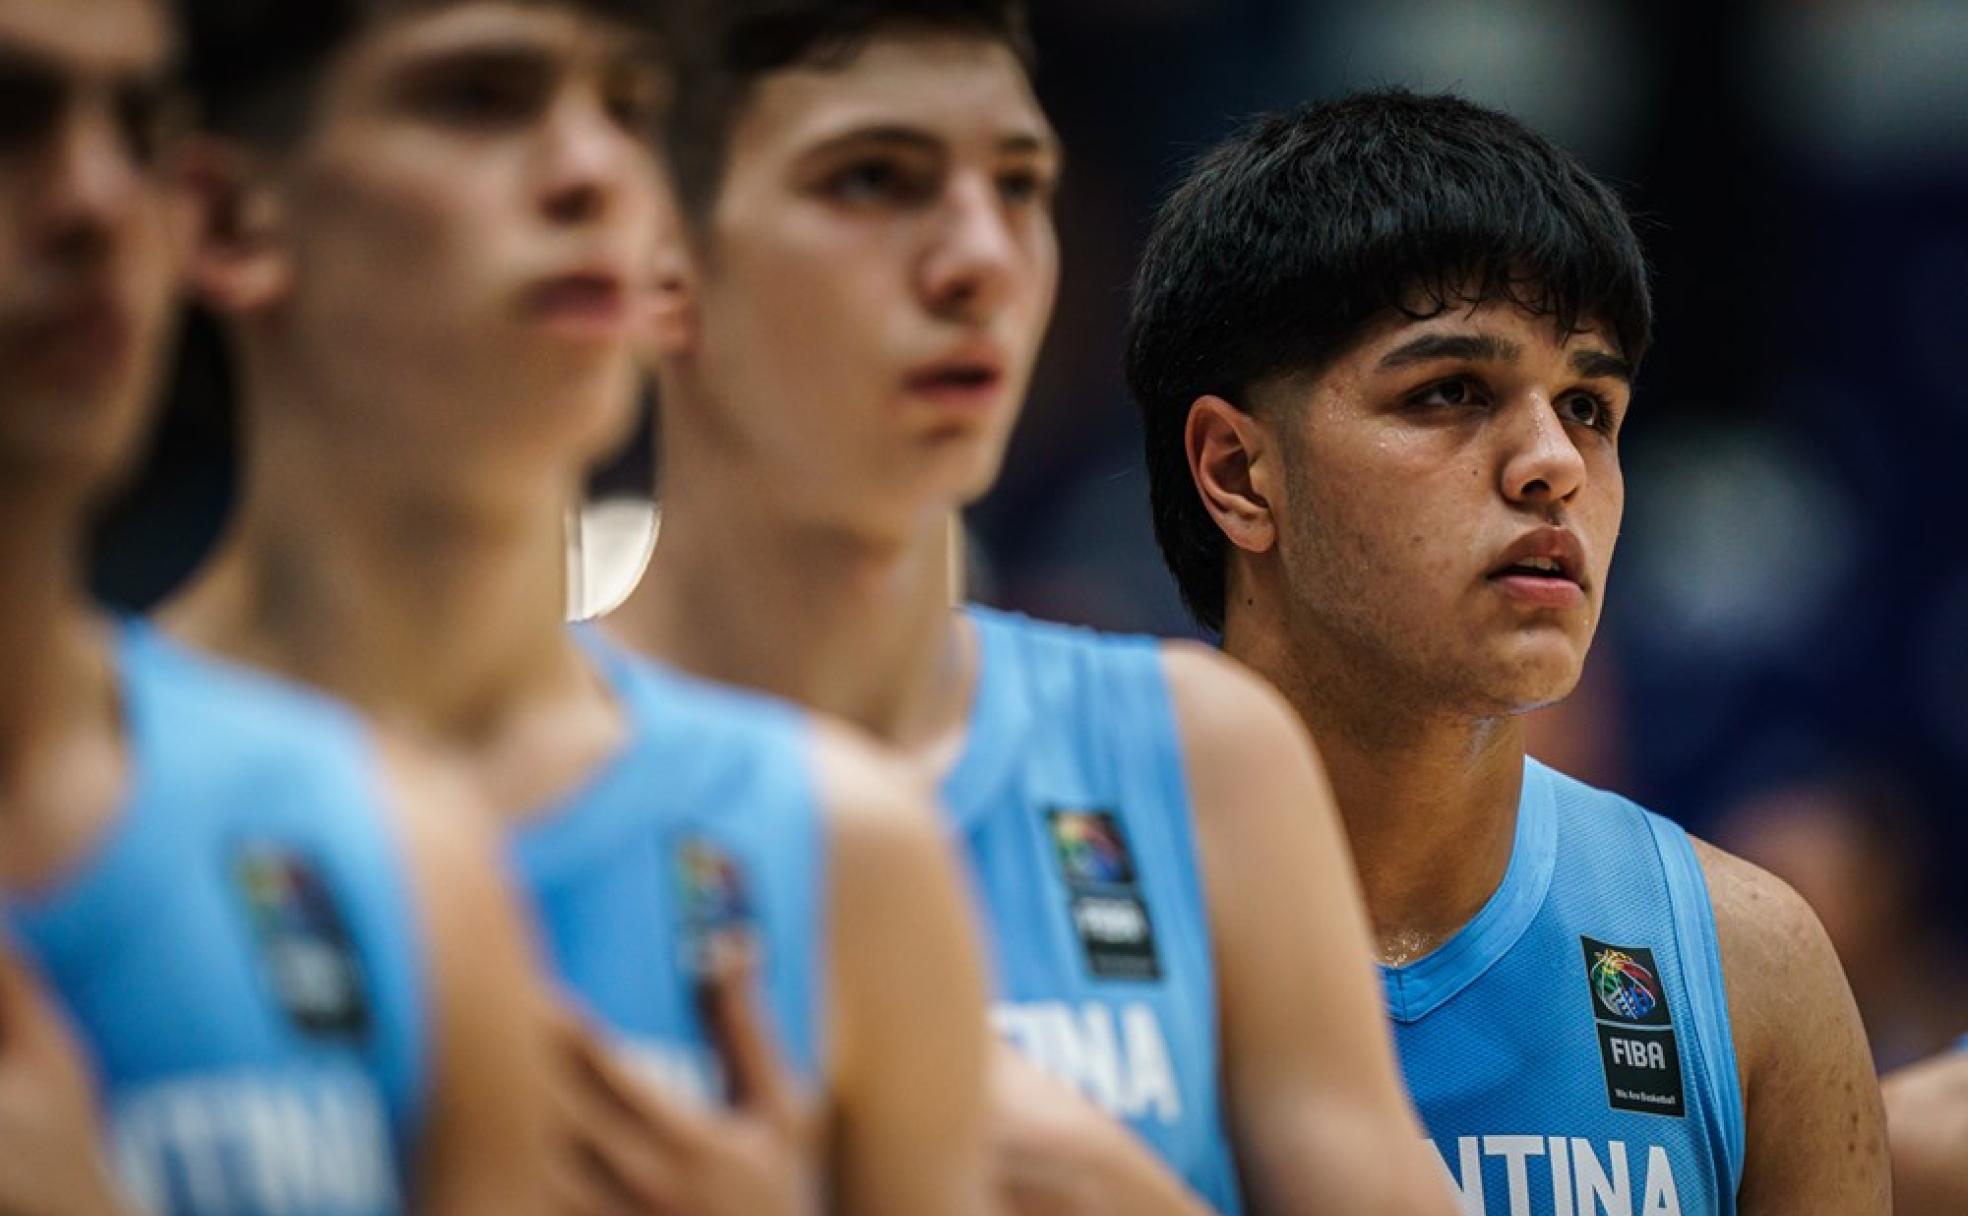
1814	1130
1777	960
878	812
441	821
1234	724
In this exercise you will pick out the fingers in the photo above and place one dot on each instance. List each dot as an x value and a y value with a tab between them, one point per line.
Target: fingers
760	1080
628	1148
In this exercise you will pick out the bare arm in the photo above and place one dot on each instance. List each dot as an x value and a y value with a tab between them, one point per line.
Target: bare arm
1814	1131
487	1141
1321	1119
910	1041
1927	1117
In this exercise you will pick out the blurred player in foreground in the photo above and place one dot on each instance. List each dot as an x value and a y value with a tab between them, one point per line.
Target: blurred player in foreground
1385	348
427	229
870	270
284	947
1927	1114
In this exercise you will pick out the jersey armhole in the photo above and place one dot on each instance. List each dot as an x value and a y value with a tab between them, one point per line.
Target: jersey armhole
1703	980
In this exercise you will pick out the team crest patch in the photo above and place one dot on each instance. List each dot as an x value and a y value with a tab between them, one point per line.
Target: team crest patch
715	901
316	972
1104	898
1636	1029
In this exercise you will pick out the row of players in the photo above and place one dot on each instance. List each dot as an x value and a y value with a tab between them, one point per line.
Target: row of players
1384	348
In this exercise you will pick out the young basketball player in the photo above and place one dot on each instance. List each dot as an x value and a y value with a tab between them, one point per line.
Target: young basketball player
426	227
1385	348
870	269
1927	1111
285	950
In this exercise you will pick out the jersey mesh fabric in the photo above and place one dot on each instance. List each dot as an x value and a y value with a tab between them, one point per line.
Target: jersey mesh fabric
1509	1045
707	818
1071	802
253	841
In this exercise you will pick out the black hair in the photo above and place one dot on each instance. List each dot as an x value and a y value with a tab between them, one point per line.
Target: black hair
732	44
1286	242
253	65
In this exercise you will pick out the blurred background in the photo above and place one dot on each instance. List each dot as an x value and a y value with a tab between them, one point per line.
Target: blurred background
1784	662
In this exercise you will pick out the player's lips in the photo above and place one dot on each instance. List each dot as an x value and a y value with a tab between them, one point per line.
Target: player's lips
970	379
586	304
1545	566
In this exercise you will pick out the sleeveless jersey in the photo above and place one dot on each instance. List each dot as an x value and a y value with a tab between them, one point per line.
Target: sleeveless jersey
239	954
1569	1049
705	822
1073	806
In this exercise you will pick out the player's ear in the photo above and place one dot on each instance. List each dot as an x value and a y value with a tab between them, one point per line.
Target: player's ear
231	227
1232	460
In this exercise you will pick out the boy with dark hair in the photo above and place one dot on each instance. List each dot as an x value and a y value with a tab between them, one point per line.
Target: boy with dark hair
1384	348
277	936
849	328
430	268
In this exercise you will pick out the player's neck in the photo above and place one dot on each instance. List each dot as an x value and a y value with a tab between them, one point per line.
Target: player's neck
1429	799
431	605
853	627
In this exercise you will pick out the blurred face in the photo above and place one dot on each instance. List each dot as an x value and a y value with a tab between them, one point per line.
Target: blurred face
85	276
1452	498
876	279
466	228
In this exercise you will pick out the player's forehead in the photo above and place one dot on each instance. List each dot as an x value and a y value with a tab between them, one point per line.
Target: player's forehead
92	40
1486	330
544	28
955	90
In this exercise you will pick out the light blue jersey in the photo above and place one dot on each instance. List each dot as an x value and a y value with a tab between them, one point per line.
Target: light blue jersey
1569	1049
240	954
1073	805
706	821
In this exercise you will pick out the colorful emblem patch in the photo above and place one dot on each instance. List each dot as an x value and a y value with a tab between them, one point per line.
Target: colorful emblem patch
315	970
1625	988
1090	848
1103	896
715	901
1637	1044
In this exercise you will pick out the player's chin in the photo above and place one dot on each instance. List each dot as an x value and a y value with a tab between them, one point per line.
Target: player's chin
1533	671
958	467
51	442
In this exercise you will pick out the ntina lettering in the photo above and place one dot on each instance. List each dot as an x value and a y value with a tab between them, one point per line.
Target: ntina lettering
298	1146
1515	1175
1117	1057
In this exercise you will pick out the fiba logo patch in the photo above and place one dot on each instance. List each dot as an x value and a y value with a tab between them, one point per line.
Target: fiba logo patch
1625	988
311	959
1637	1044
1104	901
715	903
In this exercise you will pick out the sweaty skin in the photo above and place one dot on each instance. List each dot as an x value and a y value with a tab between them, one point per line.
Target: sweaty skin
1374	614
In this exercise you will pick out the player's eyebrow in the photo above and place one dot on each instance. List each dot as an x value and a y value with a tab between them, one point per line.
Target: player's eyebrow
1601	365
885	135
1473	348
896	135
